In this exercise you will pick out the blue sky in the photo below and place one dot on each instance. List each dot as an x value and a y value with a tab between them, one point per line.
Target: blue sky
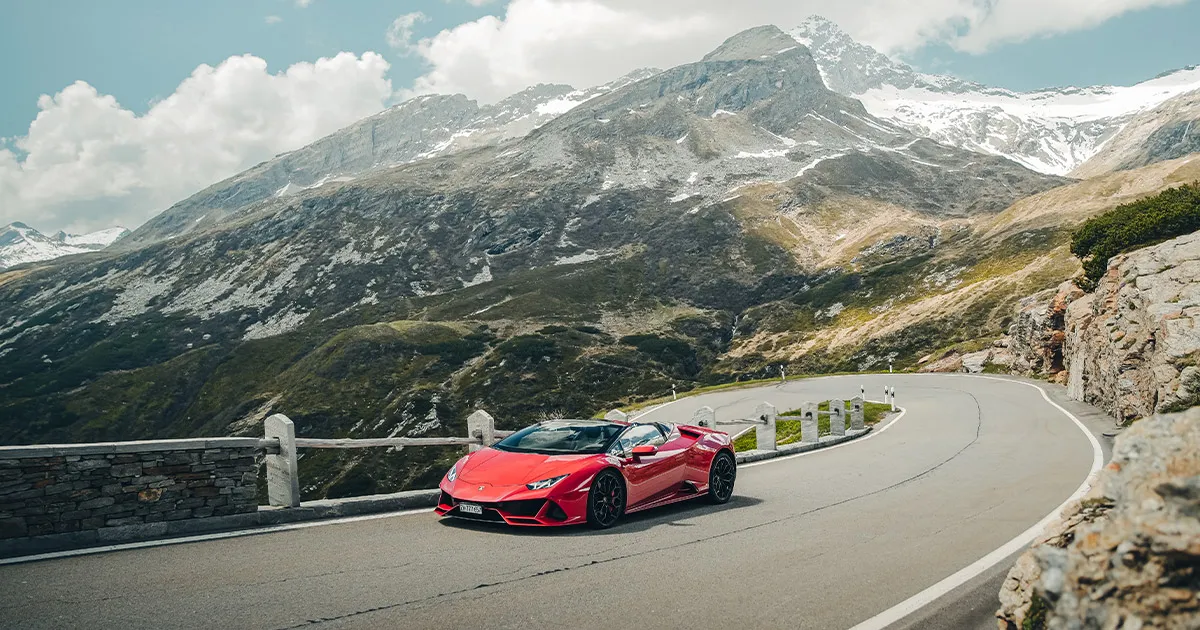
139	50
1128	49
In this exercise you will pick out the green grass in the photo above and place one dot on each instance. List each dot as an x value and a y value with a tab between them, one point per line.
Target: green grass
788	431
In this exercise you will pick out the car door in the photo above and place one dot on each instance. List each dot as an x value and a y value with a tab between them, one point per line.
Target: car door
677	450
650	476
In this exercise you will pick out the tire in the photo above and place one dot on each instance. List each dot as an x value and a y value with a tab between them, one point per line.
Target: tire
721	476
606	499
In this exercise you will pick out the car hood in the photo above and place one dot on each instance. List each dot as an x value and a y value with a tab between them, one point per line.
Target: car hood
502	468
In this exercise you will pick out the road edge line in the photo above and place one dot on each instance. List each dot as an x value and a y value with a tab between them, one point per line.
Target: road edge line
964	575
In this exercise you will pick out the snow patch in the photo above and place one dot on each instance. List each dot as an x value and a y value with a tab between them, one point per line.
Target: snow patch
587	256
485	275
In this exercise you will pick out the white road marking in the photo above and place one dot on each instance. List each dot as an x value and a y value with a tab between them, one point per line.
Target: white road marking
203	537
651	410
931	594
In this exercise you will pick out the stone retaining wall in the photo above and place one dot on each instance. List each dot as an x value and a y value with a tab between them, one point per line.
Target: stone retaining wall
79	488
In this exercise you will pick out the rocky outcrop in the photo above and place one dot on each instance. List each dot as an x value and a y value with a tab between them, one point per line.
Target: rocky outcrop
998	357
1037	332
1132	346
1128	554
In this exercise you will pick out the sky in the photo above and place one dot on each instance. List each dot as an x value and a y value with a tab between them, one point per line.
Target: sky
112	111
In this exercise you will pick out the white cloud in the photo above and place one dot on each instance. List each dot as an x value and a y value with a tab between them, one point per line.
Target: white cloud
88	163
1019	20
303	3
273	19
400	33
585	42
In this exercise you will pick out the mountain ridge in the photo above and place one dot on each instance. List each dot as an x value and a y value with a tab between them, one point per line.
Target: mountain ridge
1051	130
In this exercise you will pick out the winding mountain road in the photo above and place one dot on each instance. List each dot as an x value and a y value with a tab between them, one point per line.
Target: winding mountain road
827	540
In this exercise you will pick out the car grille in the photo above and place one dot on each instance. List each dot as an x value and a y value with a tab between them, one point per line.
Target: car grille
521	508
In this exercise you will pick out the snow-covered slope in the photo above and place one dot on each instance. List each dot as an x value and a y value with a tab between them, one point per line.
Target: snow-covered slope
21	244
1052	131
1169	131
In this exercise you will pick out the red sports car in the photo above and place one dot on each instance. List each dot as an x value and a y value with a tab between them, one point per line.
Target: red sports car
567	472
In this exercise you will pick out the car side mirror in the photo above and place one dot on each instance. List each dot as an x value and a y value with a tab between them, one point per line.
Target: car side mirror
645	450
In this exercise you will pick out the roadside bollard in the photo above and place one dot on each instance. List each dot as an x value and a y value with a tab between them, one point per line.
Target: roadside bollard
837	417
856	414
765	431
705	417
481	425
809	428
616	415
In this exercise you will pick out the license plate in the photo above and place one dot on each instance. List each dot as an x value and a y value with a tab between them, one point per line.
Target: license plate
470	508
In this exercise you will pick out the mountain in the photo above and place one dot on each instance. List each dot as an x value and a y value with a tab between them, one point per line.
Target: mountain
693	226
1169	131
1051	131
21	244
423	127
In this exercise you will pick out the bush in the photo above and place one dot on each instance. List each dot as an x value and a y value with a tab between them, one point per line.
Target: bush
1171	213
668	351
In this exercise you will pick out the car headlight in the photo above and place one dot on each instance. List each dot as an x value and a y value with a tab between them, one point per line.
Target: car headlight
452	474
545	483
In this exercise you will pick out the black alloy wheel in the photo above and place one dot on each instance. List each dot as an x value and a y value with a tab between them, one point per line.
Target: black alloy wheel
721	476
606	500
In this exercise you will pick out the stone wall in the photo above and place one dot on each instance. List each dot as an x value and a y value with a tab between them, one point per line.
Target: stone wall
78	488
1128	554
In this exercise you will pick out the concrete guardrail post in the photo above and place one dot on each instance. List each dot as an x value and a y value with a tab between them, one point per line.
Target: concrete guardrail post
617	415
705	417
283	479
809	428
837	417
765	432
856	414
481	425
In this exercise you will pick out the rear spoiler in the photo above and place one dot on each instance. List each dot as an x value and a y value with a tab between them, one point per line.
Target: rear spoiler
694	431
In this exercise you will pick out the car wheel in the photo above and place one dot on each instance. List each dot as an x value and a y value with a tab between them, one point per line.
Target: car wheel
721	476
606	499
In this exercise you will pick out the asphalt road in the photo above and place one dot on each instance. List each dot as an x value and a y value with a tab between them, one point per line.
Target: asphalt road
825	540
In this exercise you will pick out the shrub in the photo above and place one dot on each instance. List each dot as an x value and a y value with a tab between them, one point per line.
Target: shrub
1171	213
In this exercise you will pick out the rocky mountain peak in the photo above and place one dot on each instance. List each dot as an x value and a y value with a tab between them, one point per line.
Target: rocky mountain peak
755	43
1052	131
20	243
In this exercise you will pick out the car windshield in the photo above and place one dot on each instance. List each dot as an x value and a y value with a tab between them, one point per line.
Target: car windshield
561	437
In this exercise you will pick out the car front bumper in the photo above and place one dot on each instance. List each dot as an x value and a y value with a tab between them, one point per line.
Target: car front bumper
515	506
